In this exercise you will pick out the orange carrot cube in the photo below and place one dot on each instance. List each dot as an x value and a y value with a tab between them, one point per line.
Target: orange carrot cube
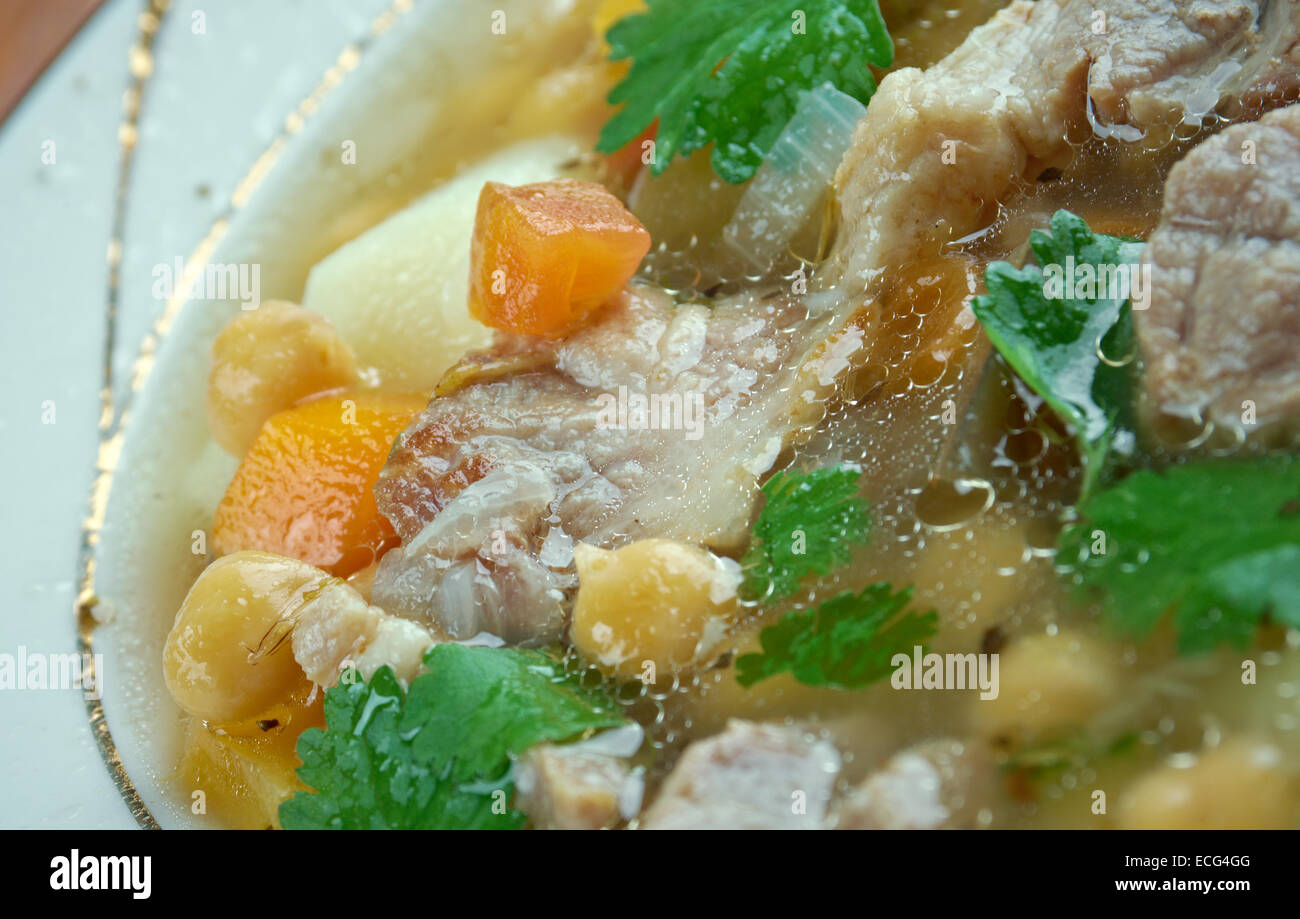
305	489
545	256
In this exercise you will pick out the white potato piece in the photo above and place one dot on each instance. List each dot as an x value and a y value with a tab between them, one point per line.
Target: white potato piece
398	293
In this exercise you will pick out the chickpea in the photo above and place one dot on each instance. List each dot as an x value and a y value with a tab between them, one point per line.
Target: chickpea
961	577
656	602
1048	683
208	659
1242	785
266	360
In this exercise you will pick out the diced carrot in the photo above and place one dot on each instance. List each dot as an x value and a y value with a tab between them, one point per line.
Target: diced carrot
305	488
545	256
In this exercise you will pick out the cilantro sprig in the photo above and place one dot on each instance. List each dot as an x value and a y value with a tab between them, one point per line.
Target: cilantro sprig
809	524
437	757
1215	542
731	72
847	642
1056	344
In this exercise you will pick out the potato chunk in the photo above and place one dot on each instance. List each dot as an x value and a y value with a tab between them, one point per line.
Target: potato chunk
544	256
266	360
651	608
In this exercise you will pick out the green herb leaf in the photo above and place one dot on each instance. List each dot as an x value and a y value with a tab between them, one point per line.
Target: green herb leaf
1046	761
434	757
1055	344
1216	542
847	642
809	523
731	72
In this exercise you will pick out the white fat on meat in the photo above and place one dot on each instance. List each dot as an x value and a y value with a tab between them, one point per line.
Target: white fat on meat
337	630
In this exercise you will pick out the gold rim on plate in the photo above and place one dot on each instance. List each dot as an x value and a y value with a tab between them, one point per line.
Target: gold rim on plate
113	418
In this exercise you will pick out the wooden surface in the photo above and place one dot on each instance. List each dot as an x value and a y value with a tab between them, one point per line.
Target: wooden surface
32	33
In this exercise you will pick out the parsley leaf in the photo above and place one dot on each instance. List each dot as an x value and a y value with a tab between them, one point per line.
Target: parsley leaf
1216	541
1055	344
731	72
1047	761
846	643
434	757
808	524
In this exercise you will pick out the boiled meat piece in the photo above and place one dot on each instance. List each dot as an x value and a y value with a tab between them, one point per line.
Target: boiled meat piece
496	480
572	788
941	784
1221	339
940	148
749	777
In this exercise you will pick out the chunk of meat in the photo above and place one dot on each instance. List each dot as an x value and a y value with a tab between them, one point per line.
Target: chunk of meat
940	148
941	784
1223	326
340	630
573	788
544	437
749	777
1159	60
492	486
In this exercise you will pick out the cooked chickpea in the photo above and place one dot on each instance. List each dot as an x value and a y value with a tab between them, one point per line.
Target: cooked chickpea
208	659
975	581
655	603
266	360
1047	683
1242	785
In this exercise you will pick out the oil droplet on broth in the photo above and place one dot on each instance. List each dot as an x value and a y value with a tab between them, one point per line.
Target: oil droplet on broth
1180	432
1024	447
946	504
